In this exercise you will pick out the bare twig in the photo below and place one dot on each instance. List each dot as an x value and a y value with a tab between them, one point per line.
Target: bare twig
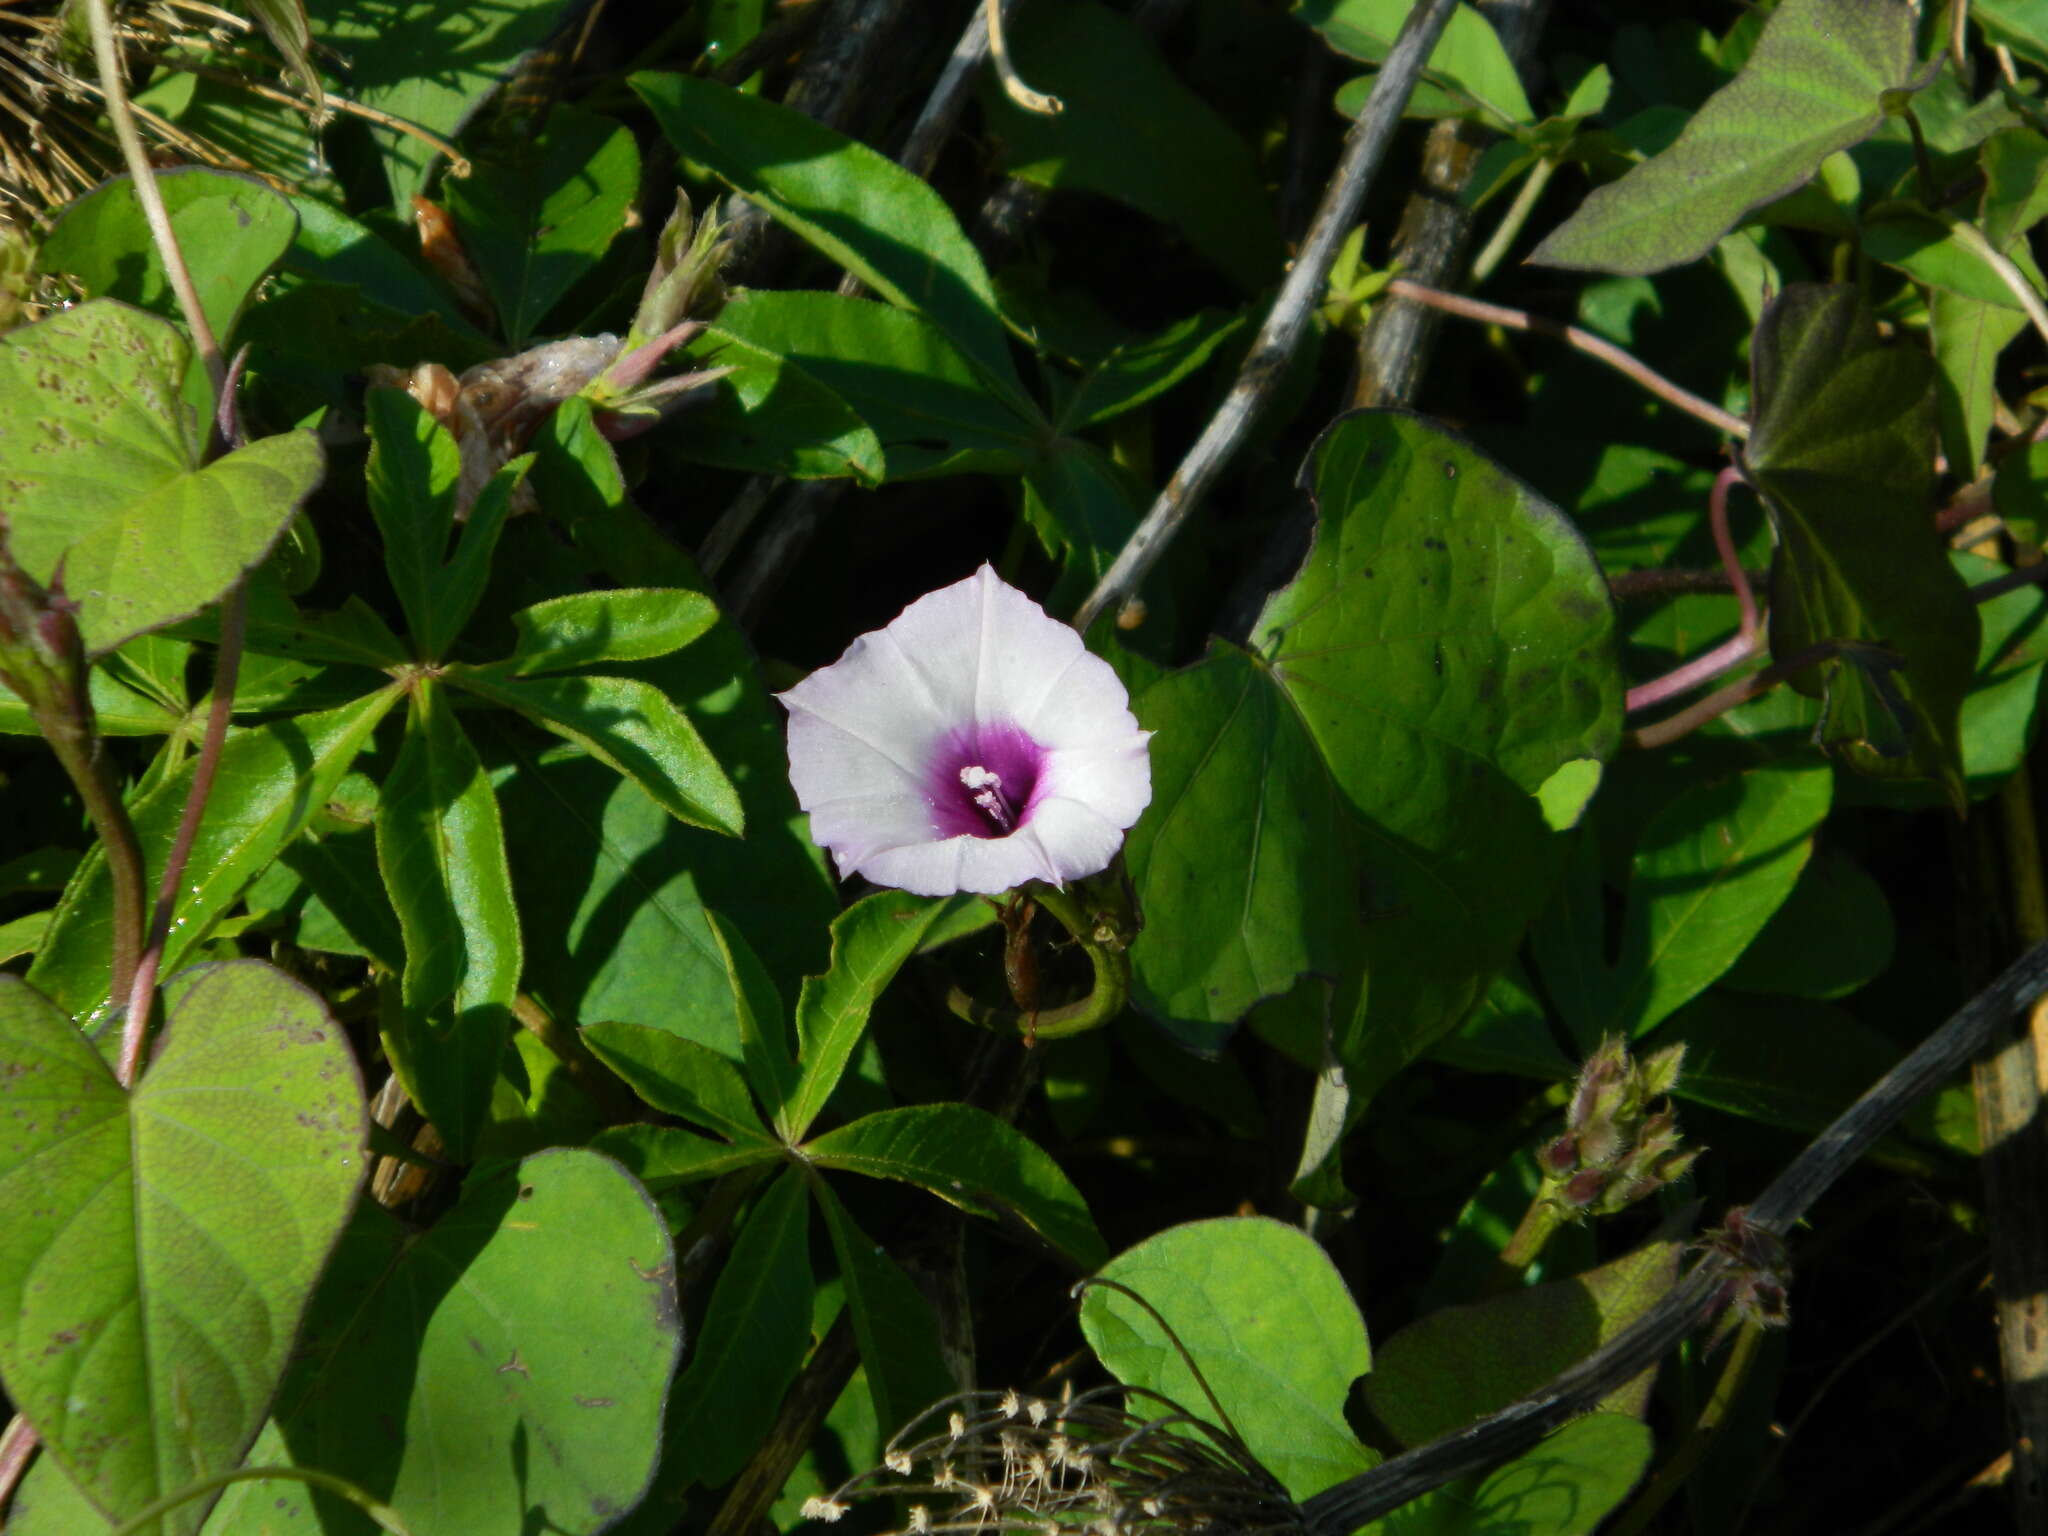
1429	243
1702	1293
1274	347
1598	347
948	98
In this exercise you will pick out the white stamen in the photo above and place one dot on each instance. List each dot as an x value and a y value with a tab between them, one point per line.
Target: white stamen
988	796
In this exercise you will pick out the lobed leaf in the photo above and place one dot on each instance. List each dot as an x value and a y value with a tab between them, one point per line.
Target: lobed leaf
538	216
860	208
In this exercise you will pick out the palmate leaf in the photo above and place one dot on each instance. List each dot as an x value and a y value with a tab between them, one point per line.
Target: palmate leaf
1819	80
441	847
430	62
857	206
1843	452
538	216
162	1243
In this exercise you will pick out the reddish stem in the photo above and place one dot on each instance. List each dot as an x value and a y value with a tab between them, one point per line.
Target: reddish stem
234	612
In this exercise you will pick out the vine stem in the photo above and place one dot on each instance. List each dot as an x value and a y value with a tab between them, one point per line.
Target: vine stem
1105	1000
1272	350
17	1444
1721	700
227	666
1597	347
114	93
1511	222
1730	653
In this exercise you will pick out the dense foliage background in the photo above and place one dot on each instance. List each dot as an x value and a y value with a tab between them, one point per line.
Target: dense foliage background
1593	679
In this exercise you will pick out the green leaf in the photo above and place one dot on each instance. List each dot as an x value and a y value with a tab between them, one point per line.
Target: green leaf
679	1077
1970	333
415	468
272	780
1446	648
770	415
1816	83
763	1027
441	847
1133	131
103	469
930	413
1929	250
870	941
162	1242
755	1333
1842	453
859	208
1708	871
334	249
1967	335
1565	1487
520	1351
663	1156
1791	1064
233	230
537	217
1832	936
2021	25
632	727
1083	506
1239	864
1137	372
116	710
893	1324
1269	1321
625	624
968	1158
1468	61
1443	1371
429	62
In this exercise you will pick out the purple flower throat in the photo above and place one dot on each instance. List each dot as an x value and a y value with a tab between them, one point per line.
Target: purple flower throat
983	781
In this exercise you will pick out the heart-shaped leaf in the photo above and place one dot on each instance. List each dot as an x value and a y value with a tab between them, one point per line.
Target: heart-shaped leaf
101	467
161	1244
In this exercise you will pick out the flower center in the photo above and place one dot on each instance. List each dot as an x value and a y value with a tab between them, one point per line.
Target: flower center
982	780
986	789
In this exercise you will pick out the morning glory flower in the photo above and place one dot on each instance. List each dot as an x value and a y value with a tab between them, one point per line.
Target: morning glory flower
971	744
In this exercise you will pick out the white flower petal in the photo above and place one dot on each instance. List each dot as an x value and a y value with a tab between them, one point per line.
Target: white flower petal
974	678
1114	781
